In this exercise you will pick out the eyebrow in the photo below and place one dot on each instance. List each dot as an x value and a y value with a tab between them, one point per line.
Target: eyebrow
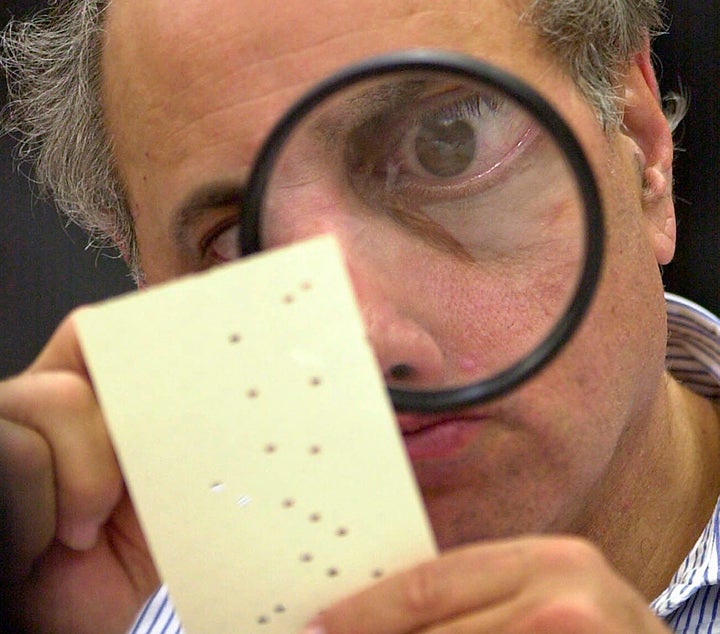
366	103
223	194
198	203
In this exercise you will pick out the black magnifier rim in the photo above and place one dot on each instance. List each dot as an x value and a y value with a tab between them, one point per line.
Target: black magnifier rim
476	70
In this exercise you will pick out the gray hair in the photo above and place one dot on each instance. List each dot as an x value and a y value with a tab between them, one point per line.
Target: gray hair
52	63
52	66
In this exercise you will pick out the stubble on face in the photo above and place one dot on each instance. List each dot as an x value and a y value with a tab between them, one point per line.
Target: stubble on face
191	89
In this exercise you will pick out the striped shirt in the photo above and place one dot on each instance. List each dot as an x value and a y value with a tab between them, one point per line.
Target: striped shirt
691	603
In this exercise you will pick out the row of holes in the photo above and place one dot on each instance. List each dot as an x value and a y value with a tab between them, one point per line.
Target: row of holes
236	337
287	503
289	298
313	450
254	392
279	609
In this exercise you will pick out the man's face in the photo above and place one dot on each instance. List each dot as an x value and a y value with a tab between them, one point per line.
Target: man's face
191	90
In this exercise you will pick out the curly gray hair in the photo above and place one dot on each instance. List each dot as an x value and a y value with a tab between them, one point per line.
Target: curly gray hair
52	64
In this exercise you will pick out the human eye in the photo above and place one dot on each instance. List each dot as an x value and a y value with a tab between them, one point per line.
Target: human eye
445	146
221	243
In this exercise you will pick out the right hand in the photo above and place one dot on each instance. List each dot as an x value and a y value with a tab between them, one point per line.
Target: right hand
72	555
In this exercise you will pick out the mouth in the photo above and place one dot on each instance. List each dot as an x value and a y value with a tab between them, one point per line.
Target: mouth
438	437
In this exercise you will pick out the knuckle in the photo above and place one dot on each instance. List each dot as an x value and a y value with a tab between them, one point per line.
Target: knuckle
568	614
73	391
88	495
568	554
40	399
421	592
27	507
24	454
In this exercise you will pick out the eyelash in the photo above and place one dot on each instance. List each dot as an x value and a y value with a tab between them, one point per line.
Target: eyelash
206	244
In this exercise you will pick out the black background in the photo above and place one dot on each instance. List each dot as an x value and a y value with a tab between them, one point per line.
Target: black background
45	269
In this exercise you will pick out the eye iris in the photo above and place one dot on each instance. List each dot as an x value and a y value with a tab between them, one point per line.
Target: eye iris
445	147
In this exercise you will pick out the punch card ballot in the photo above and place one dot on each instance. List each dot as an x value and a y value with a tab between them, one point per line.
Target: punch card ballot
256	438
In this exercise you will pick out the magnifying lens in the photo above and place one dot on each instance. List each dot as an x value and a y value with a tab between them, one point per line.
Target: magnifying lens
464	194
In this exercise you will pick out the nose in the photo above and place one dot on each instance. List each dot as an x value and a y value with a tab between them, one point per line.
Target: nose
407	352
386	286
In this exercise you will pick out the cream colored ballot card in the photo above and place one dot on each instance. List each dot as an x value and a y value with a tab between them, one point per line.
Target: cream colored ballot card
256	438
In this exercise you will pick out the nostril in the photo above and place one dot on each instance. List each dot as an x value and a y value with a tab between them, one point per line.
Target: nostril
401	372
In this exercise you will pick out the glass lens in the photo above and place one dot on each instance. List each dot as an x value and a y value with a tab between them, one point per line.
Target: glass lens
456	207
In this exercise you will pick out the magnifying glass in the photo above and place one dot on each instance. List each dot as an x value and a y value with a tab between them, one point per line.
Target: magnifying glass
464	193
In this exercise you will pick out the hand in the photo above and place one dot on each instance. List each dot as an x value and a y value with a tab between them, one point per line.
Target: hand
522	586
72	555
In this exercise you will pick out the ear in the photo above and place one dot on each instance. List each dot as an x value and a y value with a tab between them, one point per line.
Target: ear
645	124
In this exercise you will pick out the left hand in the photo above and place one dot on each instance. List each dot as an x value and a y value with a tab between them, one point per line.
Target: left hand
526	585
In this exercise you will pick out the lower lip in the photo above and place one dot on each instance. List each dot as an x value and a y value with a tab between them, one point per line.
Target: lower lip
441	441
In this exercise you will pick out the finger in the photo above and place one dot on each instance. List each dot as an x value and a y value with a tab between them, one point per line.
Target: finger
562	608
27	511
62	351
61	407
503	617
527	585
470	579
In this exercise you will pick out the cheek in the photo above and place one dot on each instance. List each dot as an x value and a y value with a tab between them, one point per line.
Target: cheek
487	316
614	364
534	470
630	308
597	394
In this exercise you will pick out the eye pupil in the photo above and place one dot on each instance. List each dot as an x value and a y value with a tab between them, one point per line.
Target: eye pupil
445	147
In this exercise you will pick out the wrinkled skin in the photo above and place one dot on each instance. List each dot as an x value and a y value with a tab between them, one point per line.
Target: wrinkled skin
602	445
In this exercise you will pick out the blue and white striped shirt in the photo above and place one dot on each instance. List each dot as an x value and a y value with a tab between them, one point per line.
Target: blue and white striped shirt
158	616
691	603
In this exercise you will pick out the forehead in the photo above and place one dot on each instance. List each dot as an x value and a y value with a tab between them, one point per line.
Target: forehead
288	27
204	54
191	88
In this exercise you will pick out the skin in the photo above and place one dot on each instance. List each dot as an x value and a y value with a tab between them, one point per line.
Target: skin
603	445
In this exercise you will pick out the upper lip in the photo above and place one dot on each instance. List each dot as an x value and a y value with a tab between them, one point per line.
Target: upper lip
410	423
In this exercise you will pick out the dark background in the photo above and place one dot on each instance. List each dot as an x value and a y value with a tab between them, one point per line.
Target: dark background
45	269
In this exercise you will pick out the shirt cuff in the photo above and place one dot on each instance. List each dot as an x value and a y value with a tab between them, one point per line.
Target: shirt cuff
158	616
